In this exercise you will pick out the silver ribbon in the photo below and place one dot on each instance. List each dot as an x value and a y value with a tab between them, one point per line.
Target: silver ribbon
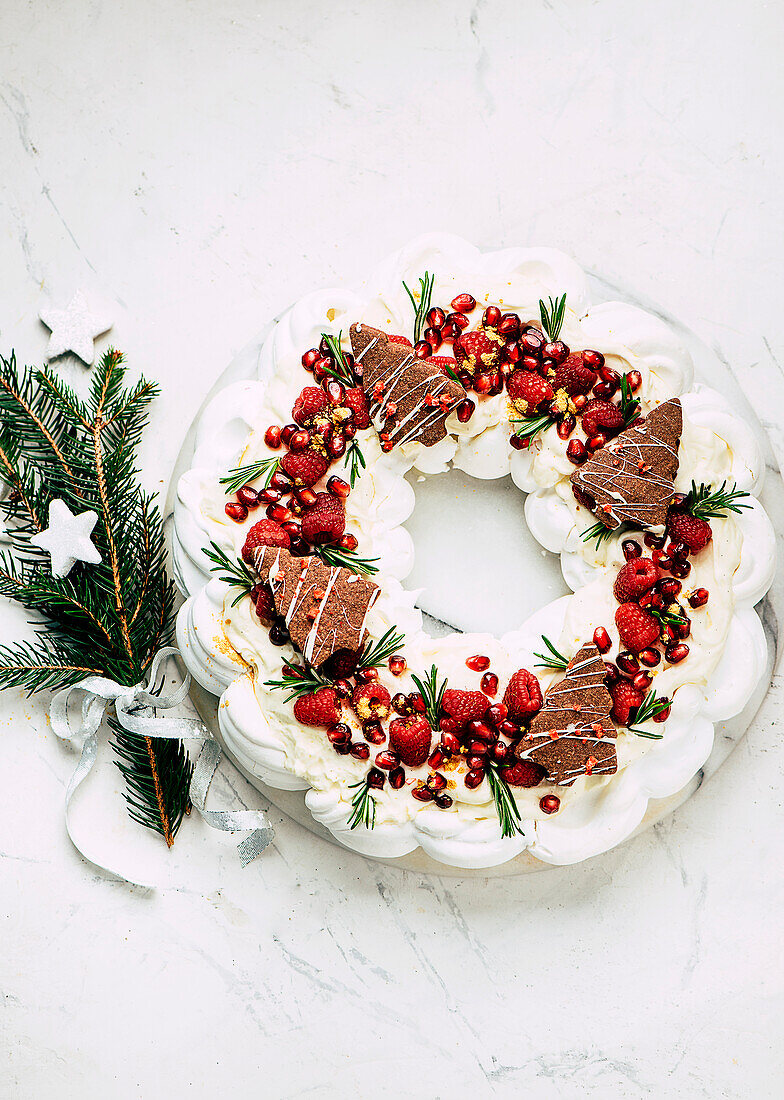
130	705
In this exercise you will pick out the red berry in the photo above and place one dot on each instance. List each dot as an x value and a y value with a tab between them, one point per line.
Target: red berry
625	698
524	773
371	701
634	579
464	706
698	598
489	684
523	695
318	708
410	738
529	388
325	521
476	351
305	468
235	511
308	405
573	375
601	417
264	533
637	628
550	804
601	639
463	303
692	530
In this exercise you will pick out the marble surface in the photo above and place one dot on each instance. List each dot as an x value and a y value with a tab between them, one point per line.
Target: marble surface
194	167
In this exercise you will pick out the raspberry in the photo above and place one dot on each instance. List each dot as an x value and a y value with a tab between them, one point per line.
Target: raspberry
634	579
318	708
637	628
324	521
692	530
263	601
356	401
305	468
574	376
410	738
523	695
476	351
393	339
264	533
464	706
444	363
625	698
310	403
341	664
371	700
601	416
529	387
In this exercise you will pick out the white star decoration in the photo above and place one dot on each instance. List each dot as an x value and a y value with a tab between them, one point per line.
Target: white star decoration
74	329
67	538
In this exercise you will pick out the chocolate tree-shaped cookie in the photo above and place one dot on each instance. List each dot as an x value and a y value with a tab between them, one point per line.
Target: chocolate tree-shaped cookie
409	398
573	733
324	607
631	479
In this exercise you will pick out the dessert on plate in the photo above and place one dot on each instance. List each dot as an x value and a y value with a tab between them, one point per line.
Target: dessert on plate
290	538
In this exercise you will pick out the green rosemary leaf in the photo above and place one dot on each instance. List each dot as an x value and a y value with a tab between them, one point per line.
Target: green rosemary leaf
234	571
433	693
598	532
301	680
354	461
340	369
421	308
553	317
532	425
347	559
554	659
505	805
241	475
375	653
363	804
648	709
708	503
630	405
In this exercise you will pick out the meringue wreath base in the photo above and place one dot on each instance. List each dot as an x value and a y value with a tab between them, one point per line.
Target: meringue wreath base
591	825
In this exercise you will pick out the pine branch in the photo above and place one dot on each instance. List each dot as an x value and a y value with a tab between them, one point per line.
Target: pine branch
630	405
598	533
157	775
531	426
340	368
648	709
298	680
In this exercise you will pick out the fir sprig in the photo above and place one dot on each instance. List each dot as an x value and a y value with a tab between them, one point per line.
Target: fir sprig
648	709
708	503
531	426
432	693
363	805
340	368
553	316
505	805
375	653
553	660
241	475
298	680
159	778
354	461
422	307
598	533
111	618
630	405
234	571
347	559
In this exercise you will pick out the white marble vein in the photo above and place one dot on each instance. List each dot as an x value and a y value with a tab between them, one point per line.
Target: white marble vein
197	166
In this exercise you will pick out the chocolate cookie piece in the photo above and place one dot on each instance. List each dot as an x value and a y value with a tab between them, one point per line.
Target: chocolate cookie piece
324	607
573	733
409	398
631	479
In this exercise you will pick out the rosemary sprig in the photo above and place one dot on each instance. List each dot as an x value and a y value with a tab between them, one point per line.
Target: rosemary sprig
667	617
298	680
363	805
375	653
421	308
554	659
630	405
451	374
505	805
235	571
348	559
707	503
553	317
532	425
432	692
647	710
341	370
354	461
241	475
598	532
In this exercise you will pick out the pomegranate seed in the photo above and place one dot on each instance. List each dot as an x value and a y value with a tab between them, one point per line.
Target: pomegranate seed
509	326
338	487
699	597
576	452
422	794
474	778
449	330
478	663
509	729
387	760
449	744
397	778
642	681
678	550
348	542
397	665
324	348
477	728
677	500
417	702
483	383
550	804
634	378
281	481
459	321
496	713
463	303
434	338
339	734
499	752
579	401
556	350
610	672
237	512
631	549
436	758
628	663
343	748
529	362
373	732
248	496
310	358
375	779
680	569
321	368
597	441
477	748
676	653
593	359
343	688
422	349
291	527
436	317
296	507
566	427
491	317
366	675
287	432
604	390
517	443
400	703
489	684
650	658
664	561
300	549
601	639
360	751
436	782
336	446
306	497
465	410
335	391
300	441
272	436
664	714
269	496
442	800
654	542
512	353
532	343
278	634
607	374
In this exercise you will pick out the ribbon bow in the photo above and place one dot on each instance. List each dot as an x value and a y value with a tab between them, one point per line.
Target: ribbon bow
132	706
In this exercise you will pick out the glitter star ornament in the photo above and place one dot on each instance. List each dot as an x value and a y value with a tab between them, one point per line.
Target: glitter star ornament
74	329
67	538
